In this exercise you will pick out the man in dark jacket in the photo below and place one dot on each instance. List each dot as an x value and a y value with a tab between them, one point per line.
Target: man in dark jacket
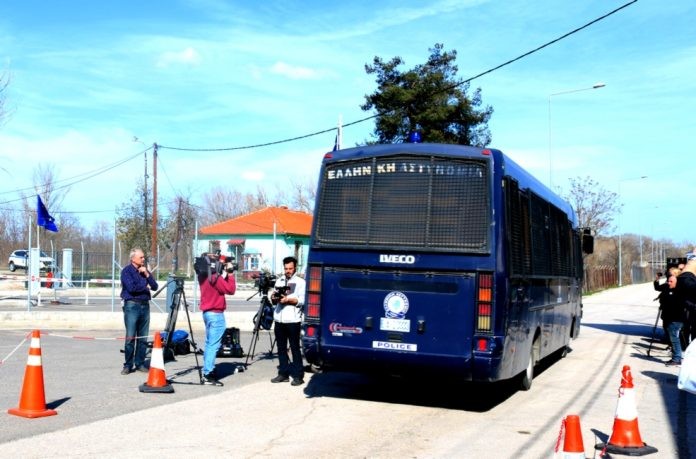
661	285
136	283
686	288
672	307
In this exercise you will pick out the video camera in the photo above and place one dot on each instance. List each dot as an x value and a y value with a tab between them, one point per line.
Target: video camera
279	293
206	265
264	282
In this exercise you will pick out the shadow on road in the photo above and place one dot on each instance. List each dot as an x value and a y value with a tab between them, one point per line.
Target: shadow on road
56	403
421	390
409	390
623	328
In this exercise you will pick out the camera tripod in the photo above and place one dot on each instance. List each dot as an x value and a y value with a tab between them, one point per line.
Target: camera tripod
258	318
178	298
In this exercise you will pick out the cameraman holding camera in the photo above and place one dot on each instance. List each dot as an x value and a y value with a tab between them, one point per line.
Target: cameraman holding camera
215	281
288	298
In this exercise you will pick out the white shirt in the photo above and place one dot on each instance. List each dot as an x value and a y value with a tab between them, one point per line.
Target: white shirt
289	313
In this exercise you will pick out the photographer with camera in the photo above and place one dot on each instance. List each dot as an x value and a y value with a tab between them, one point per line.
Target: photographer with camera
214	272
288	298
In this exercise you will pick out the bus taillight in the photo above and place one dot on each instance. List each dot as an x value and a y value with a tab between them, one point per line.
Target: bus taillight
313	293
484	305
313	306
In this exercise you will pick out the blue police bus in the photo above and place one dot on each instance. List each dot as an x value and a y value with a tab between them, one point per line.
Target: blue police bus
442	258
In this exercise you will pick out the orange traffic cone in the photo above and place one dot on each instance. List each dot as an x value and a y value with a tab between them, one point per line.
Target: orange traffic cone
32	402
625	436
573	447
156	378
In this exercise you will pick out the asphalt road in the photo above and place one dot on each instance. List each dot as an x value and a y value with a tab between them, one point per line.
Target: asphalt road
101	413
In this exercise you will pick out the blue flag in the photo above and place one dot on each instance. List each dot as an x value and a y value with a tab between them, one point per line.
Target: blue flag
43	217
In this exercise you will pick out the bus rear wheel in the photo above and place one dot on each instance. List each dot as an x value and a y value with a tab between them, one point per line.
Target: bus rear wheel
527	376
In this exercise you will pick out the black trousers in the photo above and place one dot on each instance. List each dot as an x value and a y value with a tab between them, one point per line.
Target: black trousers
289	333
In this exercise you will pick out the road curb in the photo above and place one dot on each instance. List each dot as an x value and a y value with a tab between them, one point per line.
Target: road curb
100	320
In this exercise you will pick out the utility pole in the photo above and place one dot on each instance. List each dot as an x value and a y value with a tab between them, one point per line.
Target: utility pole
154	199
145	204
175	260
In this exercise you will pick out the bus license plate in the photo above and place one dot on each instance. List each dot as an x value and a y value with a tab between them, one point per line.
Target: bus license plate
397	325
394	346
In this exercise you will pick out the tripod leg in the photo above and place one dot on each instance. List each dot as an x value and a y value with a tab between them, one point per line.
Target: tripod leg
652	338
272	340
254	335
193	341
167	345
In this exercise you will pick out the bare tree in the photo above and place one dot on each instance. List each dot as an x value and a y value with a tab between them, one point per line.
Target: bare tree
220	204
4	83
45	178
133	228
177	230
303	195
258	201
594	205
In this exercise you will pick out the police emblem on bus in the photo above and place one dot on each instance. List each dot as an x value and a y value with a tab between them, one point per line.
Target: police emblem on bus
402	259
395	305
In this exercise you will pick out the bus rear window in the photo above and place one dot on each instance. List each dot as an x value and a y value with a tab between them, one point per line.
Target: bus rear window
405	201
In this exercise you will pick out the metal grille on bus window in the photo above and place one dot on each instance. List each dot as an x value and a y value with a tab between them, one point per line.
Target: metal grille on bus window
517	206
405	201
541	258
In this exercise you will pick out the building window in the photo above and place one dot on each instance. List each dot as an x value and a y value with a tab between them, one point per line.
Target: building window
251	262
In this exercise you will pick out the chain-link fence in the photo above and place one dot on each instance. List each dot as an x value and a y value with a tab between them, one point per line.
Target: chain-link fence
599	278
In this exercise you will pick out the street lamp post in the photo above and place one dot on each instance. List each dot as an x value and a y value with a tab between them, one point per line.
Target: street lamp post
620	228
569	91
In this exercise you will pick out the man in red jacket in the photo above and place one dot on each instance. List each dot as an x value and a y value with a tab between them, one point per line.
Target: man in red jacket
214	285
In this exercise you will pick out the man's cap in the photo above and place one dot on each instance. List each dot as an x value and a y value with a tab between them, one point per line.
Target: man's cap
690	256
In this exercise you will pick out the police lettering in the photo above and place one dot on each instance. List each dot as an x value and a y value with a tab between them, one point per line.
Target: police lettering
462	170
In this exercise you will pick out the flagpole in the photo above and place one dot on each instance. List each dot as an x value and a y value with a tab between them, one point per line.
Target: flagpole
28	270
340	132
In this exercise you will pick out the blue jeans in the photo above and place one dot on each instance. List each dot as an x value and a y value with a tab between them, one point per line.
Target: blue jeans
673	328
136	317
214	329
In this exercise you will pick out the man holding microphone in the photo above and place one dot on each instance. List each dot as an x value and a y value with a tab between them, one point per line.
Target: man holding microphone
136	284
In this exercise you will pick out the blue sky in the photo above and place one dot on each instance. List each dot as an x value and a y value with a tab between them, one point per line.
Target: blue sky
88	77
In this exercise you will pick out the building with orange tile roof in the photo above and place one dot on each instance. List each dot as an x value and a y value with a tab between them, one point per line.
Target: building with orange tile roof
261	239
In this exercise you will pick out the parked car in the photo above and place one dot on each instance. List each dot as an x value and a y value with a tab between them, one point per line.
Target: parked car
19	260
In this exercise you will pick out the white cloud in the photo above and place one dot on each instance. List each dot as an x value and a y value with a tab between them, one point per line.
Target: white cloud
253	176
294	72
187	56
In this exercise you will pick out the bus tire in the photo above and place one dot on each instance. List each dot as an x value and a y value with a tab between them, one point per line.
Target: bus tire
316	369
527	376
564	351
575	328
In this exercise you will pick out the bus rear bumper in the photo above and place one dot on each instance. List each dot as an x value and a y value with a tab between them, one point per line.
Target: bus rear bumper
475	367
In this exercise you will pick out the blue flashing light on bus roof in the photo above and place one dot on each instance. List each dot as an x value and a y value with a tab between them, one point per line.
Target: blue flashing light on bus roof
414	137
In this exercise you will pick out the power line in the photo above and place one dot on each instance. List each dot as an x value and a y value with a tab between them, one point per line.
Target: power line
468	80
72	180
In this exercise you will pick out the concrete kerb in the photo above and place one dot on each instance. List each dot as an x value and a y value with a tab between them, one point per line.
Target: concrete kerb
14	313
103	320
